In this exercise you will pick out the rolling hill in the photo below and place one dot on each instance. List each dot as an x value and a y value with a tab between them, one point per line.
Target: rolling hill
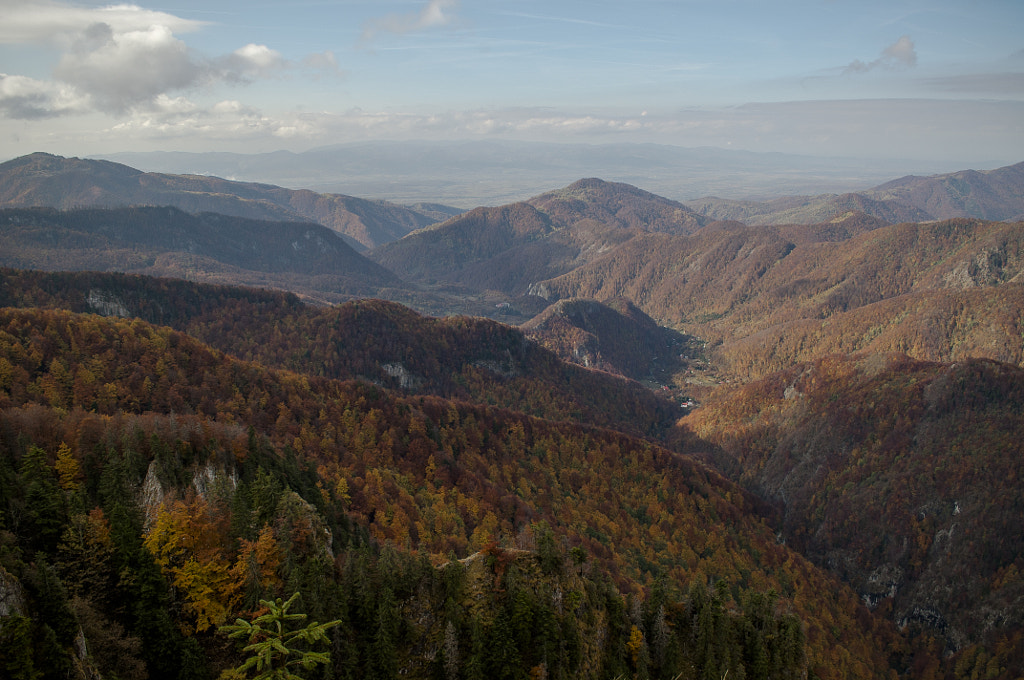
988	195
304	257
509	247
44	180
468	359
615	336
748	285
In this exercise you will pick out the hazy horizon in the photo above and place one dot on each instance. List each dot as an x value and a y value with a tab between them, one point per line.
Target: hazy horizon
932	81
471	173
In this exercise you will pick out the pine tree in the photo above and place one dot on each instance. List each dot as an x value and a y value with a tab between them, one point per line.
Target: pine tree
385	641
44	509
275	647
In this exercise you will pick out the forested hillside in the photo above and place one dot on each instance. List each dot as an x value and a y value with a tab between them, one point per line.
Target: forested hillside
307	258
756	291
902	477
509	247
462	358
187	485
615	337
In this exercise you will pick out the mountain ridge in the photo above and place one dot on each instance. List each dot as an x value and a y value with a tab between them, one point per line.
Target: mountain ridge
44	180
990	195
169	241
509	247
615	336
727	282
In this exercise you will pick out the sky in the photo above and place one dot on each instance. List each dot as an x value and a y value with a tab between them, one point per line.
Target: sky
918	79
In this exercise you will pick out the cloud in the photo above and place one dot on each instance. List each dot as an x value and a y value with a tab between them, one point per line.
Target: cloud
180	118
937	129
121	70
323	61
36	21
249	62
117	59
434	13
24	98
901	54
510	123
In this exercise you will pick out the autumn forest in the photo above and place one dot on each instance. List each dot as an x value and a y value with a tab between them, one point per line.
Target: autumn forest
678	448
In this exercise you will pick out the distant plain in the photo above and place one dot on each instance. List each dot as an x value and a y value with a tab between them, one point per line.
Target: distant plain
471	174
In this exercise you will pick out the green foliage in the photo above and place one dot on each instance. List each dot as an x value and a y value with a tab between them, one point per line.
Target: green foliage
276	647
17	649
43	506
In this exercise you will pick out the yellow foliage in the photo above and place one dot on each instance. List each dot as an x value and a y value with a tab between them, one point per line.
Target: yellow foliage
185	543
635	644
211	591
488	530
67	468
258	562
341	491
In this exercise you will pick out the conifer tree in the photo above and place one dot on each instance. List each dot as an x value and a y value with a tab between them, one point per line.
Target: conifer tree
276	649
43	512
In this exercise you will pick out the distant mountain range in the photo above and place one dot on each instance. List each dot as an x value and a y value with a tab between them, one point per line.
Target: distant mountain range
724	282
991	195
307	258
51	181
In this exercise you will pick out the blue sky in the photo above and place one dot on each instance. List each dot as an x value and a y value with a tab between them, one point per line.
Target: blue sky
935	79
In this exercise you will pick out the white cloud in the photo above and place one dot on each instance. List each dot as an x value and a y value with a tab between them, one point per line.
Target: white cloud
898	128
35	21
901	54
130	68
173	106
117	59
251	61
179	118
24	98
434	13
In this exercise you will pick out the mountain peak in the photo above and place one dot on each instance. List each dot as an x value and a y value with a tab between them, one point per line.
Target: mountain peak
596	187
44	163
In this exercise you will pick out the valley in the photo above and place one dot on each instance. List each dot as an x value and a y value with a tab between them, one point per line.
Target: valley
591	433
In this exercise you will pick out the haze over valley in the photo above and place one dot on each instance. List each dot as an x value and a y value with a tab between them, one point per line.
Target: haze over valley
468	174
